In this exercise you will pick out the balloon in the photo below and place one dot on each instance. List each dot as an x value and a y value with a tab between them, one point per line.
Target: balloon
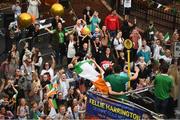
85	31
57	9
33	18
50	2
24	20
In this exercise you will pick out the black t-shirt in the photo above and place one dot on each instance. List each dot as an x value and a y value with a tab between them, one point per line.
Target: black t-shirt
44	83
19	87
9	91
143	74
109	58
32	32
126	29
54	23
61	102
82	54
121	62
88	13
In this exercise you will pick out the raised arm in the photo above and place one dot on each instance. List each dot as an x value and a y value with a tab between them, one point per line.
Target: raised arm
39	2
99	68
135	74
53	62
49	31
15	90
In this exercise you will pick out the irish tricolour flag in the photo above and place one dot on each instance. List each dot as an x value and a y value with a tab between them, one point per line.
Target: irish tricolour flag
85	70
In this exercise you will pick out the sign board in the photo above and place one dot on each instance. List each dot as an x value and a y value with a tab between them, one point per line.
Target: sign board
176	49
99	107
127	3
128	44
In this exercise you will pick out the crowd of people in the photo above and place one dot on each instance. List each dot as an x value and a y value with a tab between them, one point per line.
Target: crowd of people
33	87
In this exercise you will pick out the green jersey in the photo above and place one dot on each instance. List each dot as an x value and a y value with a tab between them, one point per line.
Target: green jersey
118	84
58	37
162	86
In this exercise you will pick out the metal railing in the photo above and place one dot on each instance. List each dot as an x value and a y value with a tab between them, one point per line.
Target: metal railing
167	19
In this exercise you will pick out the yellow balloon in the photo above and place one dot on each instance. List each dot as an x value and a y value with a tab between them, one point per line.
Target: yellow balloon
57	9
24	20
85	31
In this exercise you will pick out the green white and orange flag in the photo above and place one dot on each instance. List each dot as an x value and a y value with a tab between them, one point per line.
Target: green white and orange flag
55	83
52	92
85	70
49	86
52	103
52	88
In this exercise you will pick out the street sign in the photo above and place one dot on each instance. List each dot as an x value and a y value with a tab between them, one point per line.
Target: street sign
176	49
128	44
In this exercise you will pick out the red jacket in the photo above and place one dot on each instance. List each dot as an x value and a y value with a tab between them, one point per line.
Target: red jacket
112	22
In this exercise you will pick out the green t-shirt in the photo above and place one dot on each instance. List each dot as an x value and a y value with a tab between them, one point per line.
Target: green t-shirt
58	36
118	84
162	86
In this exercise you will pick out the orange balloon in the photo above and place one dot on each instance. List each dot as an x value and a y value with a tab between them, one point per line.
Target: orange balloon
24	20
85	31
57	9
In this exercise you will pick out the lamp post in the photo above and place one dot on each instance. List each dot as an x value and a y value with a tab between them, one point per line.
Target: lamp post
128	44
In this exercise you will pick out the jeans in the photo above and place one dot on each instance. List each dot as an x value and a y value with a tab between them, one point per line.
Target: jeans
161	105
57	54
171	108
60	52
112	33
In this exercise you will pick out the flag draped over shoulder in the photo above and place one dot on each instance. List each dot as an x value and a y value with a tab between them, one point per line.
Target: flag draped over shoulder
85	70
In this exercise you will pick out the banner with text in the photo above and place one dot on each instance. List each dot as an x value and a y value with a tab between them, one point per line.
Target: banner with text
99	107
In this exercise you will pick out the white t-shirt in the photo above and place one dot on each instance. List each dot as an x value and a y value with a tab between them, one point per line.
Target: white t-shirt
157	50
64	87
118	43
78	29
167	59
50	71
71	50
